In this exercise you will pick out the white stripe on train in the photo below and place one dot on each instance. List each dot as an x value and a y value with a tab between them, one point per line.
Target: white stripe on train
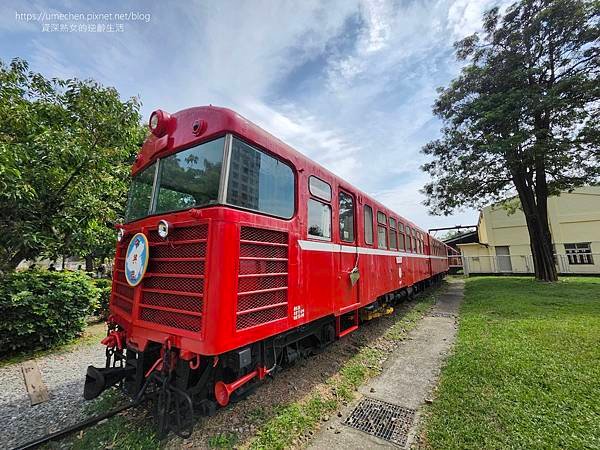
338	248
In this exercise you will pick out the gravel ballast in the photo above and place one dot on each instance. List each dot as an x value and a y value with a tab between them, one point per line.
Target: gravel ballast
63	374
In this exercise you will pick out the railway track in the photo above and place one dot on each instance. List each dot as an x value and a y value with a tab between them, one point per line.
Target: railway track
36	443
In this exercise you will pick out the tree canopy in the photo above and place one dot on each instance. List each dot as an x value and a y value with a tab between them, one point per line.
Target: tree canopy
66	148
523	115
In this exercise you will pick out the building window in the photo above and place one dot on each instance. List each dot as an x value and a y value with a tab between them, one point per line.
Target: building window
381	230
319	188
368	211
319	220
580	253
267	184
393	235
346	217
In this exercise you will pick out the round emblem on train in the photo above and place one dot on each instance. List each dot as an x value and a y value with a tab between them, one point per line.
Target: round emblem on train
136	259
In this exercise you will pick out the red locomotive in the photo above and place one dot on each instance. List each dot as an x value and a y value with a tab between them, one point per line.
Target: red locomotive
238	255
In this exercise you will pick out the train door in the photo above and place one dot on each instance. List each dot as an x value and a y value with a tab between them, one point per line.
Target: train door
349	257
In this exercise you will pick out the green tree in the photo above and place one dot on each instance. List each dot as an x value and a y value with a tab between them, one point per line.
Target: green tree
66	148
523	115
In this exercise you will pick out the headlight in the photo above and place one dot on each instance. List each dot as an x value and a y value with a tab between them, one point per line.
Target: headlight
120	234
159	122
153	121
163	228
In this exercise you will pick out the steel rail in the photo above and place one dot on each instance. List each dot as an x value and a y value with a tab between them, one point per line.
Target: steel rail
73	428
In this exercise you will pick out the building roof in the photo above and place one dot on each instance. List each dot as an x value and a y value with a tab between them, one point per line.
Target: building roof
464	238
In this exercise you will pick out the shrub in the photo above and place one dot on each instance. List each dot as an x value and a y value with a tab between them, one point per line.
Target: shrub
40	309
105	286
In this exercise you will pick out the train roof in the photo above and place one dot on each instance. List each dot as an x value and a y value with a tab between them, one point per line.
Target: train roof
213	121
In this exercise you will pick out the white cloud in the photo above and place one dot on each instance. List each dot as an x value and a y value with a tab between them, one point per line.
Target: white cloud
376	14
367	110
51	60
407	200
464	16
303	132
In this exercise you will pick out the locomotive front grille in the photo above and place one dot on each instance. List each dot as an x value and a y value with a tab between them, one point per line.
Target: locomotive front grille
262	278
173	287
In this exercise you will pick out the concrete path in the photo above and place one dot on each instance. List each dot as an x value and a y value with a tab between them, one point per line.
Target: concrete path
408	377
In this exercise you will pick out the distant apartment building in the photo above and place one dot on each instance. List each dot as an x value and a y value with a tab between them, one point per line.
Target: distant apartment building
503	242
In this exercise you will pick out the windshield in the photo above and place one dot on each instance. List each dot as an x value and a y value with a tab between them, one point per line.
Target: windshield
260	182
140	194
186	179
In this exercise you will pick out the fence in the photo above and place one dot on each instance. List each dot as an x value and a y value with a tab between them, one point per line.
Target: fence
588	263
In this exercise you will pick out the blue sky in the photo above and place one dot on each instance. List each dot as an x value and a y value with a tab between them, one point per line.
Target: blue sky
349	83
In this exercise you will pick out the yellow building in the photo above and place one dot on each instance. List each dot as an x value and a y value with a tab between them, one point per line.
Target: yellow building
503	245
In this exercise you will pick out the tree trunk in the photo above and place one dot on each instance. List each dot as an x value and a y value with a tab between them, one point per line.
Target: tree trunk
541	249
540	239
89	263
15	260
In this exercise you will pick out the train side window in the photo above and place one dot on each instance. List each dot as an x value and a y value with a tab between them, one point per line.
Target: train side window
393	235
319	188
401	236
381	230
346	217
368	212
319	220
409	246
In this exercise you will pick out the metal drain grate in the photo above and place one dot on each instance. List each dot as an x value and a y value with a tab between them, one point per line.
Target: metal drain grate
443	314
382	419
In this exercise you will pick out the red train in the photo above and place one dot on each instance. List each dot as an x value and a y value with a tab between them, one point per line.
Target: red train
238	255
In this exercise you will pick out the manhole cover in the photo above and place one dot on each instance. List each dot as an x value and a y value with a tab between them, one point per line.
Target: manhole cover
382	419
443	314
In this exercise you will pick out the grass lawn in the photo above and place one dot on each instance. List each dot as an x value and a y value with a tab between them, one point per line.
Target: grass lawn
525	372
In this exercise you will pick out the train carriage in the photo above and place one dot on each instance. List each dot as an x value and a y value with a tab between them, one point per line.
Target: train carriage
238	255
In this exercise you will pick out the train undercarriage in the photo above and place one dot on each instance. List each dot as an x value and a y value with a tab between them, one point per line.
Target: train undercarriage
183	389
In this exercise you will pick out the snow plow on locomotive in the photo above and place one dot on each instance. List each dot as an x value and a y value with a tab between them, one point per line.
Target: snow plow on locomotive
240	255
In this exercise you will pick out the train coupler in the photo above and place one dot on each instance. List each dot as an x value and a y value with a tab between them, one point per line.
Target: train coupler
97	380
